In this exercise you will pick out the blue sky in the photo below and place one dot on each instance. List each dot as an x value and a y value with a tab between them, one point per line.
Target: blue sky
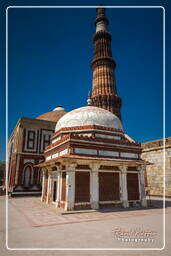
50	51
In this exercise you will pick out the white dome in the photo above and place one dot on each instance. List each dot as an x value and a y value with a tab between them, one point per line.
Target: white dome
59	108
89	115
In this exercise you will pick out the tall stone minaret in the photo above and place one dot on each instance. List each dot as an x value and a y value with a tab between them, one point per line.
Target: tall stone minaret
104	92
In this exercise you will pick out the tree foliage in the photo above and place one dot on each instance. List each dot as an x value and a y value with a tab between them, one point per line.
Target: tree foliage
2	171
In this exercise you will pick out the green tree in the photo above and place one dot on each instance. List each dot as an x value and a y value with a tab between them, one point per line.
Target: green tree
2	171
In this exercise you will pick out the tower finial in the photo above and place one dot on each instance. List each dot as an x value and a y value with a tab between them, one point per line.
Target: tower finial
101	21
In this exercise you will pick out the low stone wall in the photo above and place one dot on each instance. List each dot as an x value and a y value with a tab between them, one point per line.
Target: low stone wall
153	153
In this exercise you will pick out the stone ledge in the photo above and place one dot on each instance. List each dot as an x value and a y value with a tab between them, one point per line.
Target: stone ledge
79	211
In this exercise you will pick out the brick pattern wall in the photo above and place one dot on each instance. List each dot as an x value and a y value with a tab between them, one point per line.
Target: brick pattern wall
25	148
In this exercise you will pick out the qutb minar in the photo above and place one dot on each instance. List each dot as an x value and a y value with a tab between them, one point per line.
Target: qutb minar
104	91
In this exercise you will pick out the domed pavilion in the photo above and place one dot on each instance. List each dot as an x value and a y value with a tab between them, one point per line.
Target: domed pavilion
90	163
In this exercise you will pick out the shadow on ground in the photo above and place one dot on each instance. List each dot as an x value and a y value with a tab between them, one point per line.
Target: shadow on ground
151	203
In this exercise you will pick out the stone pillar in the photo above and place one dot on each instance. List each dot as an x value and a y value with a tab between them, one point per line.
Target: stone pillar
48	185
43	185
49	189
60	186
94	186
58	198
70	187
141	179
124	192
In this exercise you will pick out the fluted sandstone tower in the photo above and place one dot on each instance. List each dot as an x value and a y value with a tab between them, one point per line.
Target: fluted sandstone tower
104	91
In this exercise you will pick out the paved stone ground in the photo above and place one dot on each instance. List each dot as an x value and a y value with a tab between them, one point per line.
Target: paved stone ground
39	215
36	225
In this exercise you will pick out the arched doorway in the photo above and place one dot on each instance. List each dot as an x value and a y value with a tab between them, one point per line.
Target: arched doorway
27	176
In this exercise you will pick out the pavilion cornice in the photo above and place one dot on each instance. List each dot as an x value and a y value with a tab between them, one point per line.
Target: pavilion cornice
85	127
57	143
80	138
72	157
113	141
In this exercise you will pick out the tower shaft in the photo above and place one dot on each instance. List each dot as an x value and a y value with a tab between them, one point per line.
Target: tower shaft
104	91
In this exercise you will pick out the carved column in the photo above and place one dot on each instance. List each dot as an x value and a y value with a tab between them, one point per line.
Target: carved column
124	191
49	188
59	175
70	187
94	186
43	185
141	179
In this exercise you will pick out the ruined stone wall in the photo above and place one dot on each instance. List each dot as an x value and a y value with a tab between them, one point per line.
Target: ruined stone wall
153	153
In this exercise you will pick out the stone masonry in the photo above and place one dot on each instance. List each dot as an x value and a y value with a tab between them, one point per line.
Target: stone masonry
153	152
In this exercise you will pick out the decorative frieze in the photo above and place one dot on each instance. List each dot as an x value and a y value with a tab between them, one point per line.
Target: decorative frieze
60	153
128	155
108	153
98	135
85	151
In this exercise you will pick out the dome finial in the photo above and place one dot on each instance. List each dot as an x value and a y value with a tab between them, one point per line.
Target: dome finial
59	107
89	101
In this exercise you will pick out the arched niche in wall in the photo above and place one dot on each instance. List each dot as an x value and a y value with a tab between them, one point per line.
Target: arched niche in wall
27	176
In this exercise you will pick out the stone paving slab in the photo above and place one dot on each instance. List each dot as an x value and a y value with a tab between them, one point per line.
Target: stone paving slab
39	214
